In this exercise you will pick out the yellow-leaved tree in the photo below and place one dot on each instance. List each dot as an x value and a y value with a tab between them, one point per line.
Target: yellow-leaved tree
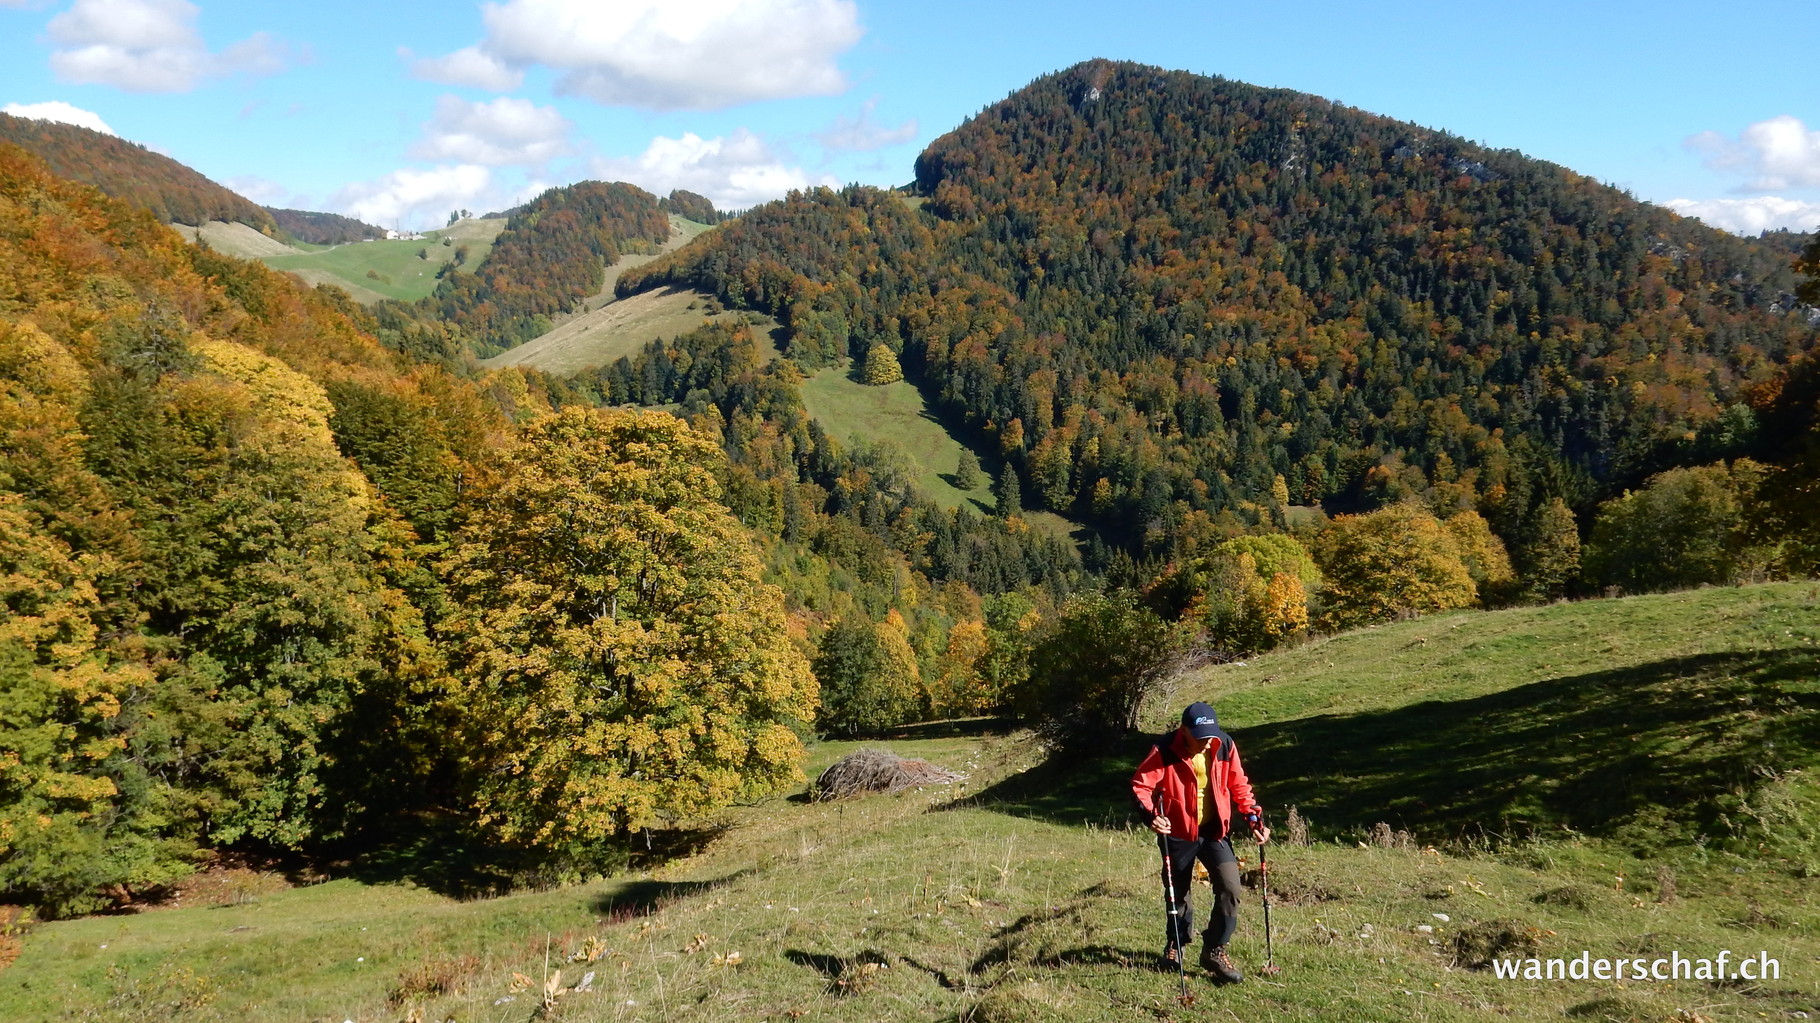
1391	563
620	663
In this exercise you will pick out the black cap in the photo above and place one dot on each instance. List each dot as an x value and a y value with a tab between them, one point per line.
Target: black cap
1201	721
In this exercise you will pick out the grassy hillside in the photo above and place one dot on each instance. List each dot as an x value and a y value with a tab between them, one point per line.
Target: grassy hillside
608	329
400	273
621	328
1021	893
895	412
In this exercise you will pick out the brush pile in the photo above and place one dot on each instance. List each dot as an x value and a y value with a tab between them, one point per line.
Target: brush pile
877	770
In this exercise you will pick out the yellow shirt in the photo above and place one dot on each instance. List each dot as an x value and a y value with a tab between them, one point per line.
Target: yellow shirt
1199	763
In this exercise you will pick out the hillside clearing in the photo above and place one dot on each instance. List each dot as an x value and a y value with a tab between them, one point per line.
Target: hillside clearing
621	328
235	239
607	329
372	270
894	412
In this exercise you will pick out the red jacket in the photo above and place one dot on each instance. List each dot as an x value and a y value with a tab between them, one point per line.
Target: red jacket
1166	772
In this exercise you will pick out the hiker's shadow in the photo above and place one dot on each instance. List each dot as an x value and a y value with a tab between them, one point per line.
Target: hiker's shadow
1067	788
845	975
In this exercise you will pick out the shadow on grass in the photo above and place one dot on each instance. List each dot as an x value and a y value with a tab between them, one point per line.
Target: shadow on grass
955	728
1588	752
439	853
635	899
1067	788
846	975
1664	749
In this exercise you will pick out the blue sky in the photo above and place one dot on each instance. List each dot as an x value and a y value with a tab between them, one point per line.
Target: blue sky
398	112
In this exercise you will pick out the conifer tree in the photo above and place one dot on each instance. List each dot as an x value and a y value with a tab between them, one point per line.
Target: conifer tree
967	475
1008	492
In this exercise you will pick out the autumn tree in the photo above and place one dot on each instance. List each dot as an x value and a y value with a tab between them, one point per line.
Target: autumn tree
1390	563
60	693
620	663
882	366
1685	527
1249	593
1012	622
957	690
1551	558
868	675
1483	554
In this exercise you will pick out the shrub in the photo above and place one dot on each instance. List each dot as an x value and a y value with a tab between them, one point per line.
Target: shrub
1092	669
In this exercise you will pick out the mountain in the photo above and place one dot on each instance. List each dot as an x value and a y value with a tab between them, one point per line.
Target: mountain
174	193
552	254
1156	293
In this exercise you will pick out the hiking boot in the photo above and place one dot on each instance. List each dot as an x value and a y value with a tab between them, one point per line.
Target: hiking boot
1215	961
1171	960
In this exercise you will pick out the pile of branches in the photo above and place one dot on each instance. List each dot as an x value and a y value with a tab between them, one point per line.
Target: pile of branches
877	770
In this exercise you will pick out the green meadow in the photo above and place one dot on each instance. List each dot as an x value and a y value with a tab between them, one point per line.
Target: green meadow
392	269
894	412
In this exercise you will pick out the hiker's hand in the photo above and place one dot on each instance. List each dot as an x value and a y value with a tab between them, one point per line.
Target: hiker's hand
1160	825
1260	834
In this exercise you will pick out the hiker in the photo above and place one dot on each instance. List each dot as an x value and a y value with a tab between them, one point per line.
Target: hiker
1189	787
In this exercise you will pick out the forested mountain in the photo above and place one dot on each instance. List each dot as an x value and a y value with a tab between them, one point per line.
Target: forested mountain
553	253
323	228
174	193
1156	293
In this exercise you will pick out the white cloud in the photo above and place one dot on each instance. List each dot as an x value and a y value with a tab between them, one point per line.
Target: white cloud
863	133
466	66
61	112
150	46
423	198
263	191
1751	216
663	54
1780	153
734	172
505	131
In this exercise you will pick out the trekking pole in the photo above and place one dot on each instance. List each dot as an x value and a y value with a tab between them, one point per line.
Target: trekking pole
1270	955
1175	932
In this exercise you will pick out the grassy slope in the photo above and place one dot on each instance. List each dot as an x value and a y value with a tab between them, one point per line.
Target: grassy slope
1023	896
895	412
234	239
410	278
608	329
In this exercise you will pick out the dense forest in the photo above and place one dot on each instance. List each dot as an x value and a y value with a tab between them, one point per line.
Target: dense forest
692	206
289	576
174	193
323	228
1156	294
